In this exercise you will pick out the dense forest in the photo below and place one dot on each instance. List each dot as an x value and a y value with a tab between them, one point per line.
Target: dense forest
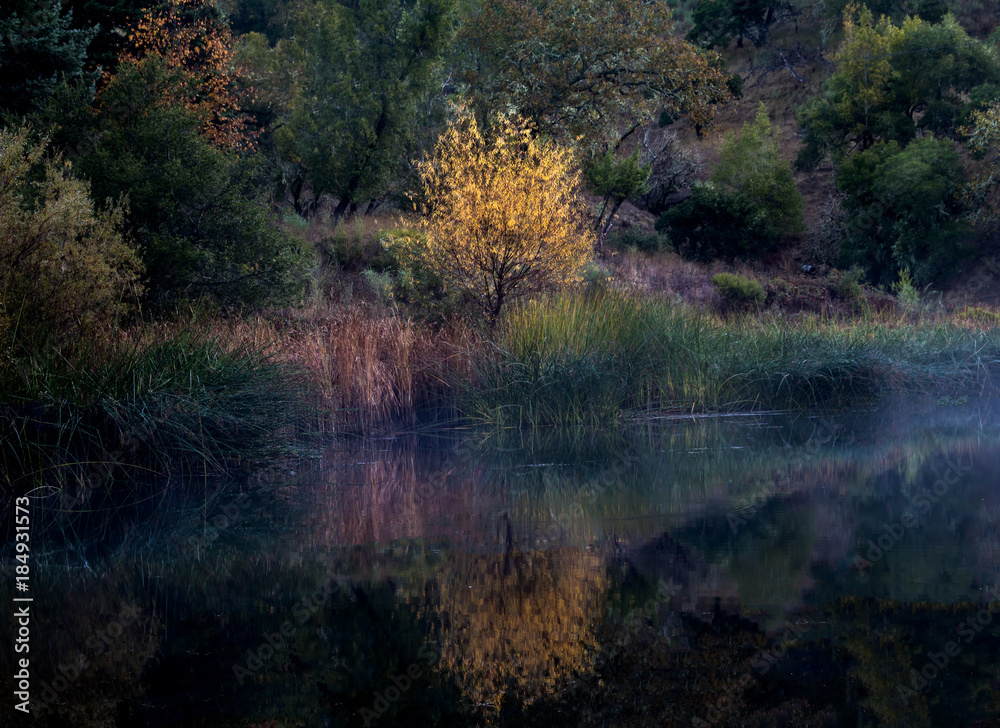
230	226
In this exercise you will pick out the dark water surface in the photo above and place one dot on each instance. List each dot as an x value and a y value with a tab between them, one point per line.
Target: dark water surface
766	570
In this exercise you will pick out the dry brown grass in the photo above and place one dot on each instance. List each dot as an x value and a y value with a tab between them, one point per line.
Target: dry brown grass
371	367
366	366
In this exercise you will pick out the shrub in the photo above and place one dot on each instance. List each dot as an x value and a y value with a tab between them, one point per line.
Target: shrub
905	291
749	204
848	287
380	284
350	247
596	275
635	237
751	165
718	223
65	268
738	291
504	215
416	285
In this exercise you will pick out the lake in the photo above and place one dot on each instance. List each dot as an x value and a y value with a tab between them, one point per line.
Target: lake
822	569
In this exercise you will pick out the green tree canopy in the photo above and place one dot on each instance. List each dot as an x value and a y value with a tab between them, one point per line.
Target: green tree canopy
587	71
196	209
112	21
39	49
718	223
616	180
750	202
718	22
367	68
983	134
904	210
892	81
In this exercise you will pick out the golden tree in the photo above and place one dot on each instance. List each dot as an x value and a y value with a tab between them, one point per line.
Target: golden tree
503	214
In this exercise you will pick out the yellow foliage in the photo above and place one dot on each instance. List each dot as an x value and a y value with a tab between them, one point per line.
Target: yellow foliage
521	621
503	216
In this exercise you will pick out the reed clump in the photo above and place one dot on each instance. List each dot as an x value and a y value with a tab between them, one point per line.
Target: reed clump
594	357
163	399
370	369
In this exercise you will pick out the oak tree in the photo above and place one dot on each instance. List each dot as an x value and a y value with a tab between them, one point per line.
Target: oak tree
366	70
587	71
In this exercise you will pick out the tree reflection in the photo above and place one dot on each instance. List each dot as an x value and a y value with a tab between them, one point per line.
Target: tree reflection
519	623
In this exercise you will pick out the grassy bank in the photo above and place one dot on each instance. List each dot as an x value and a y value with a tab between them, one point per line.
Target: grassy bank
594	358
600	357
207	395
153	401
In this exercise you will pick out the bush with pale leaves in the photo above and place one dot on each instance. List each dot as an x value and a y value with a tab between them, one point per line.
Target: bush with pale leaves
64	266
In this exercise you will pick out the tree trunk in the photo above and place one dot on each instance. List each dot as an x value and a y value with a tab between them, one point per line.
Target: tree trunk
342	206
604	225
495	313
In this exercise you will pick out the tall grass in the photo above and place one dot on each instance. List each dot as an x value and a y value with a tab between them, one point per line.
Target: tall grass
591	358
209	394
163	401
373	369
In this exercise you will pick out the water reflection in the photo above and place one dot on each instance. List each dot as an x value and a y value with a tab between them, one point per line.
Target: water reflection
765	570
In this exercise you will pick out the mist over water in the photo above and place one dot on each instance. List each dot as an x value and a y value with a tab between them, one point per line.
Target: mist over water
766	569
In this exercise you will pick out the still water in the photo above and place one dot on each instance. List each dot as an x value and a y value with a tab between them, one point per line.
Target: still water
765	570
